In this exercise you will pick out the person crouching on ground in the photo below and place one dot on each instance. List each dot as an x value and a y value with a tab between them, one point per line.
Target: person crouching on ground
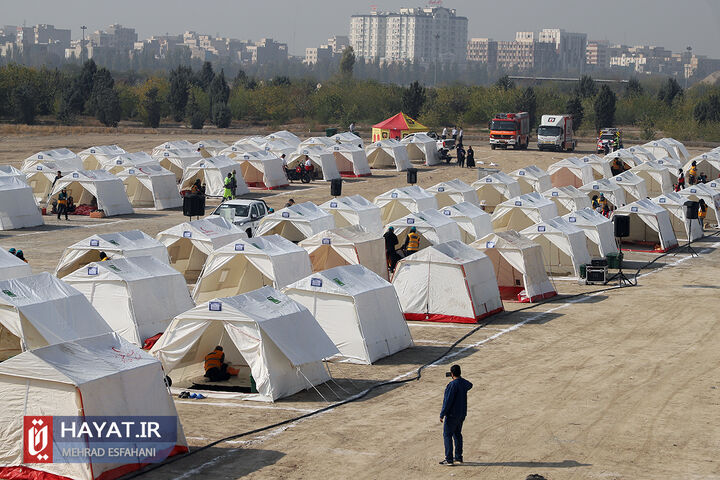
452	415
216	370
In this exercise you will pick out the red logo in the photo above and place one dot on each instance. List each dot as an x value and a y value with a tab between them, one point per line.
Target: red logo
37	436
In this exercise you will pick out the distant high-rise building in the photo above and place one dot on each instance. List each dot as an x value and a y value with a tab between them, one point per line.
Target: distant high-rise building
483	50
570	47
526	54
267	51
414	34
335	46
597	55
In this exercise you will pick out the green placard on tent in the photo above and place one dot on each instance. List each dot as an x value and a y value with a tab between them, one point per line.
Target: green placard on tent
113	267
338	281
9	293
114	242
273	300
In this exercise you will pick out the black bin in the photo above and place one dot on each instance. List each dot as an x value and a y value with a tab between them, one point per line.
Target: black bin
194	205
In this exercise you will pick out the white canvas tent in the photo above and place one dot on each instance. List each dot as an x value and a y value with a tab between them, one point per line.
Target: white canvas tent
210	148
564	245
133	243
212	172
276	146
297	222
598	229
94	157
570	171
354	210
17	205
64	159
12	267
452	192
657	177
642	153
388	154
649	225
474	222
40	177
245	265
519	268
494	189
622	158
450	282
40	310
284	136
679	148
523	211
711	197
421	148
151	186
432	226
321	142
398	202
178	160
101	376
8	171
634	185
107	189
137	297
173	145
567	199
190	243
263	332
683	227
127	160
661	148
347	246
261	169
358	310
532	179
351	160
348	138
322	160
707	163
601	168
613	192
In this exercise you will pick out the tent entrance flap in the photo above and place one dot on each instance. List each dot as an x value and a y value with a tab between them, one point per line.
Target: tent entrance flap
85	258
187	259
234	278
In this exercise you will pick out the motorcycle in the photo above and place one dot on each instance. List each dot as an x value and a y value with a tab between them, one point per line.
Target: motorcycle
298	173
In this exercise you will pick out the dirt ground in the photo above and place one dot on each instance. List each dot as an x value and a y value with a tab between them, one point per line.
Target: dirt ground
612	384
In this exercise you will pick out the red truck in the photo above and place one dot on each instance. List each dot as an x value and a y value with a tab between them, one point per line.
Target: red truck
510	129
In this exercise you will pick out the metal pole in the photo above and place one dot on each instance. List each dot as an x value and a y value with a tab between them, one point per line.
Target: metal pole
82	45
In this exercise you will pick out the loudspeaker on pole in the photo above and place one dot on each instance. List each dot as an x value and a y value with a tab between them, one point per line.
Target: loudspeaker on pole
336	187
622	225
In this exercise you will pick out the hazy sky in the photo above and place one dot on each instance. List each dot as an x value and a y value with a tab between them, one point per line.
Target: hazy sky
674	24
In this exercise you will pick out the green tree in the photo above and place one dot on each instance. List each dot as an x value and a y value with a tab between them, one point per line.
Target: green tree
347	61
85	81
669	91
708	109
575	108
222	115
205	76
179	91
153	108
240	79
102	81
634	88
586	87
219	94
605	108
24	105
194	114
505	83
528	103
413	99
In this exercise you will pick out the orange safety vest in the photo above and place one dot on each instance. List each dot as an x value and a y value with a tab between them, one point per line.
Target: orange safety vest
214	359
702	211
692	171
413	241
62	199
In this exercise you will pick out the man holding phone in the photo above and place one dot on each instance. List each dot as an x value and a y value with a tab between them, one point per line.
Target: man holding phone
453	413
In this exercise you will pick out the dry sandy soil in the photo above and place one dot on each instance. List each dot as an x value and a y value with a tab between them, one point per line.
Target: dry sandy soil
611	384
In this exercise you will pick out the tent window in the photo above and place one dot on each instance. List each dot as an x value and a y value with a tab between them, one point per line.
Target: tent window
223	275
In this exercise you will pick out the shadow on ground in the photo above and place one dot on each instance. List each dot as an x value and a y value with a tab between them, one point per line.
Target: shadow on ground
563	464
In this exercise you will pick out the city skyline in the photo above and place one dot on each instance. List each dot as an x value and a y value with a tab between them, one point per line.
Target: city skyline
675	26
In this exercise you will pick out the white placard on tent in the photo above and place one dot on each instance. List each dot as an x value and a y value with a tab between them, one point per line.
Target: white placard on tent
215	306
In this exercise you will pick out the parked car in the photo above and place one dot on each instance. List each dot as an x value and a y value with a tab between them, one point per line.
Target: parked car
246	214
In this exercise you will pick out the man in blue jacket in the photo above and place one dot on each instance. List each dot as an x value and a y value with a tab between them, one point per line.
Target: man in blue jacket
454	410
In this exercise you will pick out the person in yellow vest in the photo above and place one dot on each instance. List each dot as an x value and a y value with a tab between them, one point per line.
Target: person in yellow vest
104	257
603	201
692	173
62	204
216	370
412	242
702	213
227	192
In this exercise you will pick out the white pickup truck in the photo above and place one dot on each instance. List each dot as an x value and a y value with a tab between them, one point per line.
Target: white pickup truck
246	214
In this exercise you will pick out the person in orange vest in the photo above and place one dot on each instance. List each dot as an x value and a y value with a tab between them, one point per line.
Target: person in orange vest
702	213
692	173
104	257
412	242
216	370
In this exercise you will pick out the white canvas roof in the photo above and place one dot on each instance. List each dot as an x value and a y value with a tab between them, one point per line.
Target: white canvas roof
210	147
642	153
421	148
174	145
8	171
137	297
248	264
358	310
711	197
432	226
661	148
496	188
355	210
707	163
474	222
41	310
12	267
133	243
532	179
98	376
189	243
649	222
519	267
93	157
625	156
388	154
261	169
452	192
277	146
570	171
679	149
634	185
62	158
347	246
105	187
213	171
348	138
297	222
683	227
177	160
151	186
322	160
398	202
450	282
275	336
351	161
564	245
321	142
657	177
40	175
601	168
523	211
285	136
126	160
17	205
599	230
567	199
614	193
